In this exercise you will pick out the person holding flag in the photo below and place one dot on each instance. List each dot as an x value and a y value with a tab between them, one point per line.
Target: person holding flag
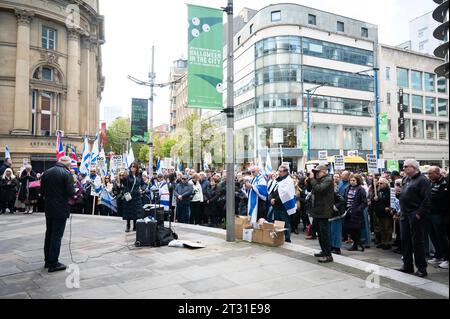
283	200
86	157
7	162
59	147
93	189
257	195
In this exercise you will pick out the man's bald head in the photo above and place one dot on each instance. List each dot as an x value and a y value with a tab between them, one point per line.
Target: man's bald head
434	173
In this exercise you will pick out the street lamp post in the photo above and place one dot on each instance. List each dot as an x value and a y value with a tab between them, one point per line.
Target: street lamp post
308	101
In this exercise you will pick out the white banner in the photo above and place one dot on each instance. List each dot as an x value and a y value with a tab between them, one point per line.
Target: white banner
339	164
372	165
117	161
323	155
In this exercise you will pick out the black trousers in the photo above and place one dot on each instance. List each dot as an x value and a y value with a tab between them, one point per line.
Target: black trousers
196	213
305	218
53	237
7	204
89	204
324	238
413	242
355	235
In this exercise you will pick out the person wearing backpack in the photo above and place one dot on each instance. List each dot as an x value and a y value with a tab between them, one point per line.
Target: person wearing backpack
356	203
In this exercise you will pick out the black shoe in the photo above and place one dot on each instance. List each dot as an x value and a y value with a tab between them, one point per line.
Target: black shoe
46	265
336	251
406	270
321	254
287	240
353	248
57	267
324	260
134	228
421	274
362	248
127	230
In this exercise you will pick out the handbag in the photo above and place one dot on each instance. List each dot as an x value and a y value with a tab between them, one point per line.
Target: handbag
127	195
34	184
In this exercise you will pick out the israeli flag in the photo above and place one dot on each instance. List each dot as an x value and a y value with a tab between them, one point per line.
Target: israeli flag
86	157
268	167
164	195
108	200
259	190
158	167
95	153
179	168
7	154
130	157
103	170
286	191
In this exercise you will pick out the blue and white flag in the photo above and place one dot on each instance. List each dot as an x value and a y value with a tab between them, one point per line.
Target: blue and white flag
259	190
103	169
260	164
179	168
164	195
268	167
130	157
108	200
331	169
86	157
158	167
286	191
125	160
7	154
95	152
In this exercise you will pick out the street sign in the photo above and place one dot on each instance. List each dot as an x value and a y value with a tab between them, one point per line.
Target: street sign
339	164
372	165
323	157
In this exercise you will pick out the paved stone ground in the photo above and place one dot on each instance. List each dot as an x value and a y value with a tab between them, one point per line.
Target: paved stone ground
111	267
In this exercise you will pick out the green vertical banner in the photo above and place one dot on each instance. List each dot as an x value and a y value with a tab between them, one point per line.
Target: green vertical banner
305	142
392	165
205	60
139	120
384	129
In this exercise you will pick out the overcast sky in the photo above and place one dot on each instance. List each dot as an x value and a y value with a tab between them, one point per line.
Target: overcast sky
133	26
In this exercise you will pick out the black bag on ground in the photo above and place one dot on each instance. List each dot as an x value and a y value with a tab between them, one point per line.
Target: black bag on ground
165	236
146	233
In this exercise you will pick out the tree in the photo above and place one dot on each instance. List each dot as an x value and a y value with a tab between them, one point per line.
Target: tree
118	135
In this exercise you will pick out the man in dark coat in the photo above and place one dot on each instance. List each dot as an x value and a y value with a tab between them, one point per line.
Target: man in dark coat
415	204
57	187
182	193
6	164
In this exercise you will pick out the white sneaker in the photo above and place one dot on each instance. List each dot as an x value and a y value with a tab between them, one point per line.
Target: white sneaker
444	264
26	212
435	261
7	211
31	211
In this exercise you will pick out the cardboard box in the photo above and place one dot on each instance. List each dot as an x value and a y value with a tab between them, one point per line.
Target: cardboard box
257	236
273	234
241	223
247	235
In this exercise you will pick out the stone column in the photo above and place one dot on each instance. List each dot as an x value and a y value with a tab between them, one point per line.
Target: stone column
340	137
72	111
22	106
93	122
85	86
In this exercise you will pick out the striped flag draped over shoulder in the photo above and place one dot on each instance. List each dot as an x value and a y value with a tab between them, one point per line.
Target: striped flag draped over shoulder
286	191
259	190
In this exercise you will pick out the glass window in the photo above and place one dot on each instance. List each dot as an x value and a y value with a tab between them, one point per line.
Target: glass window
47	74
402	78
417	129
340	26
406	102
429	82
442	107
311	19
276	16
443	131
407	128
430	105
364	32
46	112
388	73
320	137
416	80
442	84
48	38
417	104
357	138
251	28
388	98
431	130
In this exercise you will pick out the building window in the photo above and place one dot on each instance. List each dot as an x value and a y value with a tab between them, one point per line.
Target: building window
388	98
388	73
430	105
239	40
47	74
276	16
407	128
443	131
48	38
431	130
357	138
46	113
417	104
251	29
421	32
442	84
416	80
340	26
364	32
442	107
417	129
33	112
322	140
402	78
422	45
406	102
311	19
429	82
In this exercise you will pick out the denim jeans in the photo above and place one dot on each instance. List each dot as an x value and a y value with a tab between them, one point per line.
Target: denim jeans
438	234
412	232
183	214
53	236
282	215
365	232
335	233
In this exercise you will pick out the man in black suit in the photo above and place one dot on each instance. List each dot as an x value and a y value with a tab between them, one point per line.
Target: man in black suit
57	186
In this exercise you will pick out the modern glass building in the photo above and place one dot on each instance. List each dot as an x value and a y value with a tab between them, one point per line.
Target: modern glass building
283	50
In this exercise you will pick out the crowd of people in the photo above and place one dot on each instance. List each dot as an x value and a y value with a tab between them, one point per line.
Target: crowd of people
405	212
